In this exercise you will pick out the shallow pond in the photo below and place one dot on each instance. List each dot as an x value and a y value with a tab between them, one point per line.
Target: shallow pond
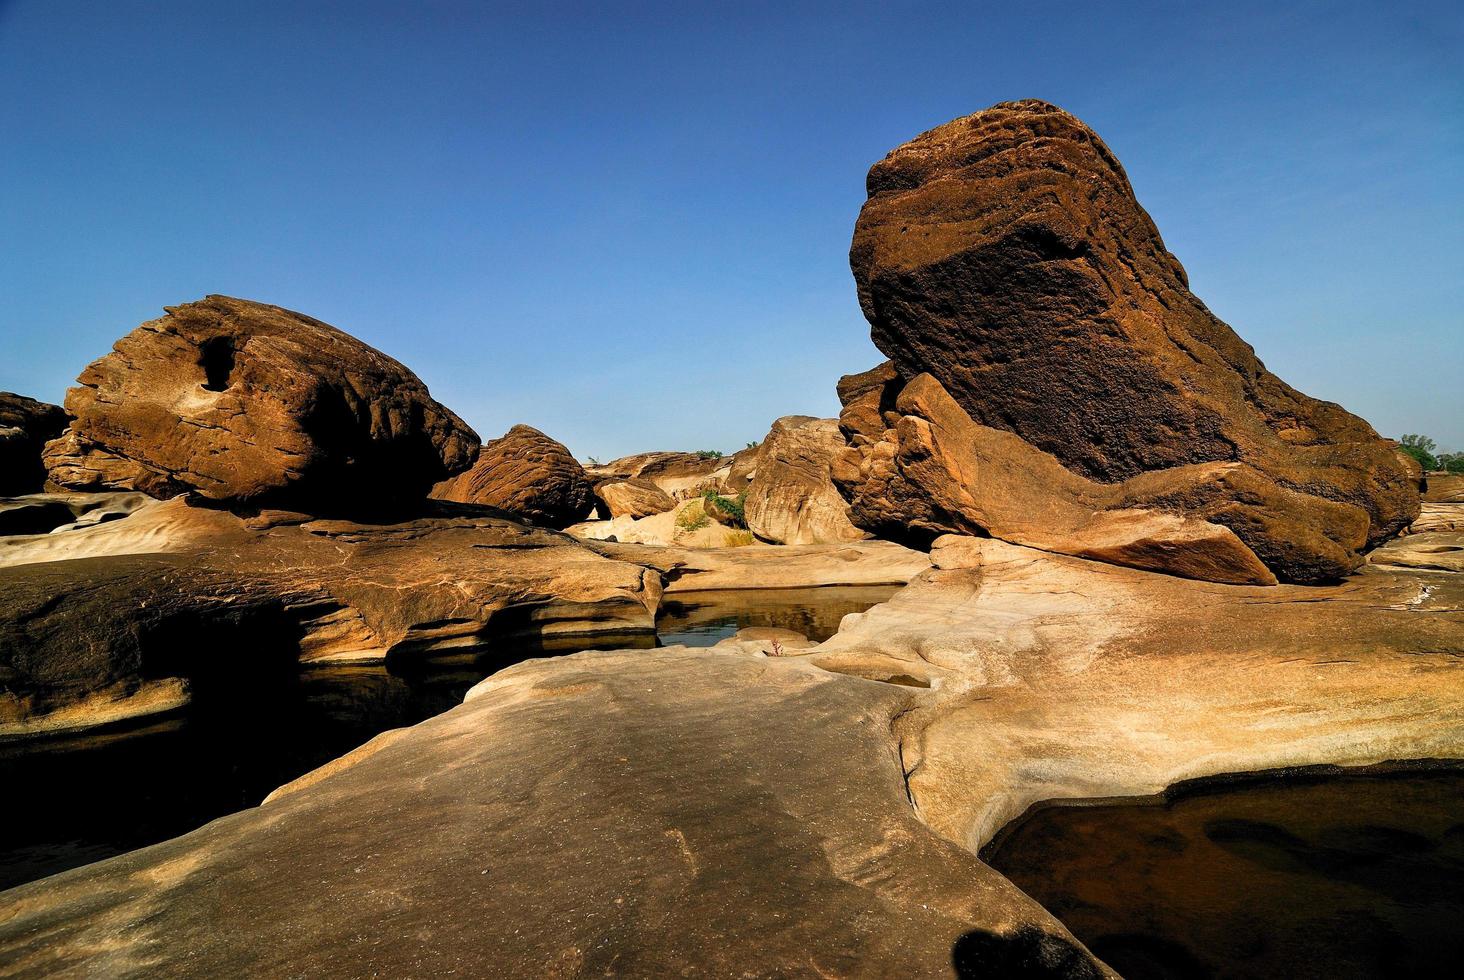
1333	876
71	801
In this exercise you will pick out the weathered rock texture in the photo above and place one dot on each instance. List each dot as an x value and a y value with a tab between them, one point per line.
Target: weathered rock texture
26	425
125	618
808	815
1004	254
935	470
527	474
1445	488
633	498
793	500
678	475
244	402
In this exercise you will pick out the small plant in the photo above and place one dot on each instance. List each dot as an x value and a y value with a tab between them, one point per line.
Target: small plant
753	445
692	518
777	650
737	539
709	454
734	508
593	461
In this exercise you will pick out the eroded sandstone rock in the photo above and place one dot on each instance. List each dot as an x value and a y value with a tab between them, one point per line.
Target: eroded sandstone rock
527	474
1004	253
812	813
95	619
793	500
937	471
633	498
26	425
244	402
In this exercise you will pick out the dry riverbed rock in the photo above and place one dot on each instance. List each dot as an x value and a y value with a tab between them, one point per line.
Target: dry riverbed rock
527	474
793	500
634	498
243	402
127	618
1004	254
837	835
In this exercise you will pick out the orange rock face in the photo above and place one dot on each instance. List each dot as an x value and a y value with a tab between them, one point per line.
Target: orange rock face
243	402
1005	255
527	474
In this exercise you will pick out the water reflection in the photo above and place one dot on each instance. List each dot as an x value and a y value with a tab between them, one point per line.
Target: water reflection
701	619
71	801
1339	876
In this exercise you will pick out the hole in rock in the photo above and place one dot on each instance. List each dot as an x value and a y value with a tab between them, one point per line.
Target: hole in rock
216	357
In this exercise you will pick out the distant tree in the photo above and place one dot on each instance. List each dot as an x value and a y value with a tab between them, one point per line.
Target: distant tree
1422	449
709	453
1451	462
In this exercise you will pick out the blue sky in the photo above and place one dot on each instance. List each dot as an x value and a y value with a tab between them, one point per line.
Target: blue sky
628	224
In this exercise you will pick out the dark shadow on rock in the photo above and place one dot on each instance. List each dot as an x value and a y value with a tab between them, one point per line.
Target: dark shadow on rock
1026	954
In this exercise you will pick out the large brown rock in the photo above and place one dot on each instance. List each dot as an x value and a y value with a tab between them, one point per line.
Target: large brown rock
793	500
936	471
634	498
244	402
527	474
26	425
1005	254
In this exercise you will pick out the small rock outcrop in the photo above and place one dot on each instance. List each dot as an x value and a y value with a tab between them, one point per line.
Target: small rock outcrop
679	475
1005	255
243	402
793	499
527	474
634	498
26	425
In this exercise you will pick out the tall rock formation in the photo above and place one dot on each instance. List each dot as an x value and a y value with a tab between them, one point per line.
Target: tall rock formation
1004	255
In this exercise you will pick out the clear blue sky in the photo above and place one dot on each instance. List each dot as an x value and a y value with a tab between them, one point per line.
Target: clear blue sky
628	224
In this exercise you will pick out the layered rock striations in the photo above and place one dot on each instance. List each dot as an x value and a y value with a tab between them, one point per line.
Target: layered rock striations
1004	255
793	499
527	474
243	402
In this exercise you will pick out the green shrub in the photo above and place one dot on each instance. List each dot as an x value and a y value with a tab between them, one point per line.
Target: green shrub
692	518
1451	462
734	507
709	454
1420	448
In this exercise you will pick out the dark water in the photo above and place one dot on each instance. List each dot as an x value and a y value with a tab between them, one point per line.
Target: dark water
1336	877
71	801
702	619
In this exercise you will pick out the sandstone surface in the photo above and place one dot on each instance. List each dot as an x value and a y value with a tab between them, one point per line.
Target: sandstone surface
1004	253
527	474
633	498
936	470
812	814
678	475
793	499
26	425
96	621
244	402
1445	488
